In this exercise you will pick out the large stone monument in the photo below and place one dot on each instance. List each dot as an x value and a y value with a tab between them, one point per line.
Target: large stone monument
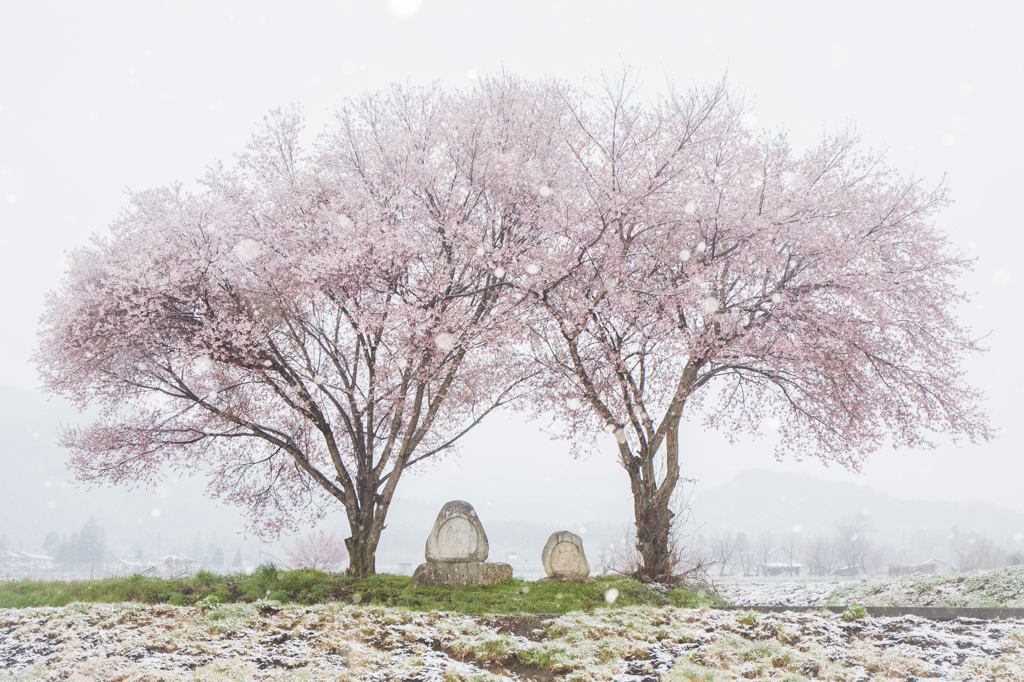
563	557
456	551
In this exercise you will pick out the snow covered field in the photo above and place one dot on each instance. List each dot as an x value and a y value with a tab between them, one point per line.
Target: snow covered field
136	643
265	641
993	588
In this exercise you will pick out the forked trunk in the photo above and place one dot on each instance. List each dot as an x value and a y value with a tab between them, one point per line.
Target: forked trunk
651	505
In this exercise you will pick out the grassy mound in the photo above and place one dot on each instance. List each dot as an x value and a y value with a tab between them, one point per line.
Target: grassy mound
307	586
999	587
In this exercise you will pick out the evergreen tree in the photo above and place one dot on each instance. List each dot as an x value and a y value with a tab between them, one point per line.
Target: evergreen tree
217	558
52	543
237	562
92	548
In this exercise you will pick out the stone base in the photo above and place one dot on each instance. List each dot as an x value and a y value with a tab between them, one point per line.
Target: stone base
461	573
567	578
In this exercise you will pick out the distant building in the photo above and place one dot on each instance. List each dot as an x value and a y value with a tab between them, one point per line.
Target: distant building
930	566
781	569
26	561
850	571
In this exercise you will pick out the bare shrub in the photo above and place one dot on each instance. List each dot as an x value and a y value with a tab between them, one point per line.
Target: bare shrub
978	553
317	550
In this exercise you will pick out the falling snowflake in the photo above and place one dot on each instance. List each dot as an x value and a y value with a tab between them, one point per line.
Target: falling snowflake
611	595
403	9
1001	278
609	285
748	121
268	363
1018	537
797	528
684	255
574	403
583	530
793	180
949	139
776	298
774	423
690	208
212	395
133	209
156	512
344	221
710	305
161	491
532	269
319	379
444	341
248	249
51	504
48	484
499	272
203	364
545	191
702	246
12	199
480	251
472	74
402	363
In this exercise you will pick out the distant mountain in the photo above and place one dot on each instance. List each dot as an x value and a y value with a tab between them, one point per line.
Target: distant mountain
758	500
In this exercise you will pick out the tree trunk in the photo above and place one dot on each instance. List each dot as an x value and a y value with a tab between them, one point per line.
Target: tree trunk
651	506
653	530
362	553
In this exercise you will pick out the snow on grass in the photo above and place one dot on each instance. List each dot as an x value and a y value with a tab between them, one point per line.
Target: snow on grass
267	641
1000	587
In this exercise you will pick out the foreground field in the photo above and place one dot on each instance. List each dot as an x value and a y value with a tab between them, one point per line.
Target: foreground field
264	641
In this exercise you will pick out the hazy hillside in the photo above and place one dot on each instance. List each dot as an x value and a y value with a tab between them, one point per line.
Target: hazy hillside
37	495
782	503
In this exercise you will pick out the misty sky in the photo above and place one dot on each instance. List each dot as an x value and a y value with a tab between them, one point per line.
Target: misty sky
102	96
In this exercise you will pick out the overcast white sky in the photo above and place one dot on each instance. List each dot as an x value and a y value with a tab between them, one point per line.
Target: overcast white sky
101	96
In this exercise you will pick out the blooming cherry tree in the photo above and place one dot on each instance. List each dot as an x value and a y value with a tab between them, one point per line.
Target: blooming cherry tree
694	266
309	326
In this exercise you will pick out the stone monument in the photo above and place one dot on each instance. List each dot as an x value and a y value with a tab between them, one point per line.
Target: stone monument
456	551
563	557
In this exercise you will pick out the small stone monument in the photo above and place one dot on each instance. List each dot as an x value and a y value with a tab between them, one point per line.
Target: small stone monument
563	557
457	549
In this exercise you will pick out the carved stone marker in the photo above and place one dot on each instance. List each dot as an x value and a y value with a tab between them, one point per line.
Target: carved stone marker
563	556
456	551
457	536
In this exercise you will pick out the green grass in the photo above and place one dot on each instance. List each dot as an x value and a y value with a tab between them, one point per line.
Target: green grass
306	586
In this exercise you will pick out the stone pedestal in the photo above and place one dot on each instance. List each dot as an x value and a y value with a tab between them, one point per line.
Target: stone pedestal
453	574
456	551
563	557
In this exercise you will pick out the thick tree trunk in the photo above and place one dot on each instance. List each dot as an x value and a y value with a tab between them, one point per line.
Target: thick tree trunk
651	507
653	520
362	553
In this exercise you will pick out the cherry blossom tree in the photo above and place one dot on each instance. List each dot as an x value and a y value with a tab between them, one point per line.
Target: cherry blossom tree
319	551
694	266
310	325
